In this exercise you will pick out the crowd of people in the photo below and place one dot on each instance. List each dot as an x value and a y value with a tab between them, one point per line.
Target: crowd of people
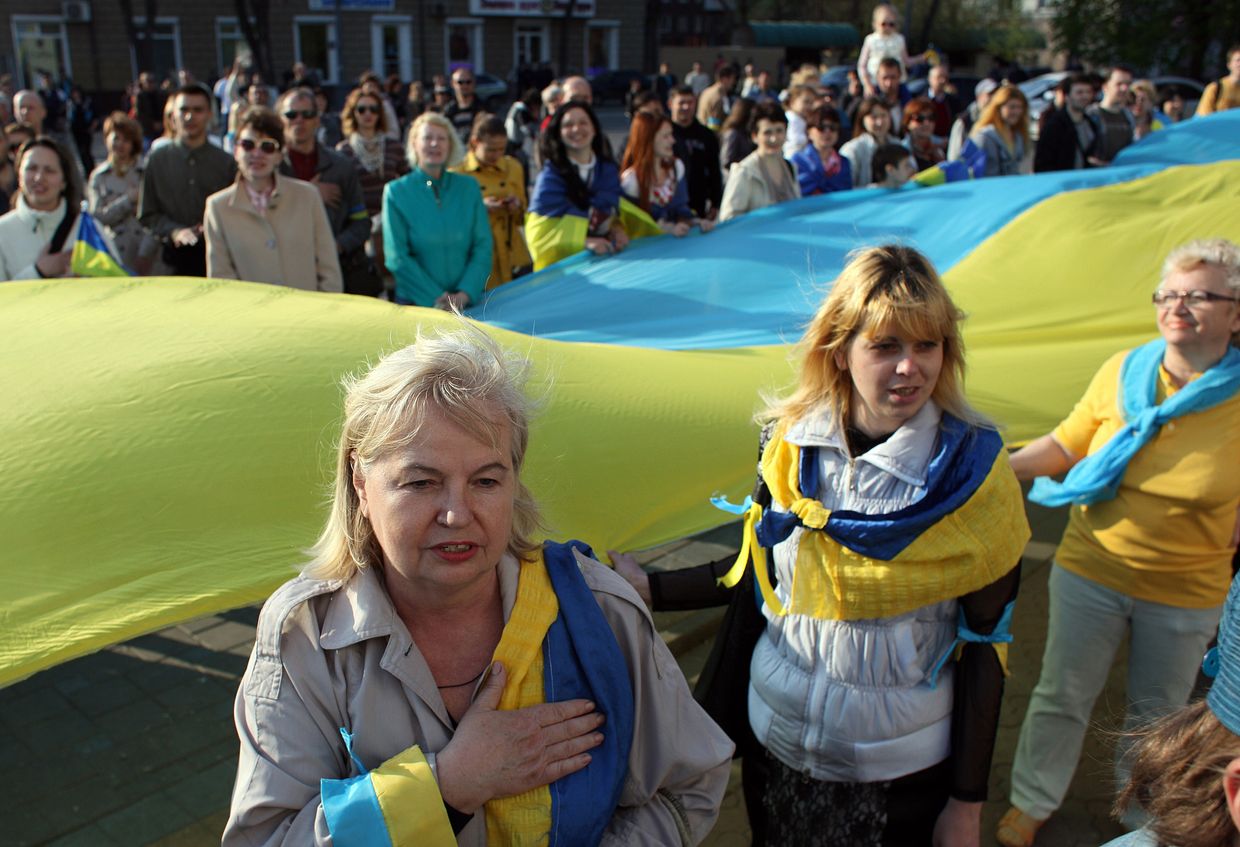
541	181
434	670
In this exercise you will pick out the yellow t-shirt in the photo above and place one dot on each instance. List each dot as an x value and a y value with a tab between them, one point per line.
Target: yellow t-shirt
1166	535
1212	100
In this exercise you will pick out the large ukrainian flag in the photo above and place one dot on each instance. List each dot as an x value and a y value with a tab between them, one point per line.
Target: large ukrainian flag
166	443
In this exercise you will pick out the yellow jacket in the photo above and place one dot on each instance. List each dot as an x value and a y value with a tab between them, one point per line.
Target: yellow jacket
503	180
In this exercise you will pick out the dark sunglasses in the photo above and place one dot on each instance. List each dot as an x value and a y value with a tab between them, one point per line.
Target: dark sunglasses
366	110
266	145
917	119
306	114
463	81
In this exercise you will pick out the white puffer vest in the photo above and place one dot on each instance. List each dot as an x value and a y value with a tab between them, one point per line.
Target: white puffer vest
851	701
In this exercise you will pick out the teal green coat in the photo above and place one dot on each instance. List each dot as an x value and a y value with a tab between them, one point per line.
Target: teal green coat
436	237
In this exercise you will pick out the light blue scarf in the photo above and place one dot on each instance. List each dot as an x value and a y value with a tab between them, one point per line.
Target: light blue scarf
1097	477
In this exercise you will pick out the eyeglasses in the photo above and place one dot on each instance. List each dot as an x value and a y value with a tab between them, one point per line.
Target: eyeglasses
463	81
922	118
304	114
364	109
886	24
1196	298
266	145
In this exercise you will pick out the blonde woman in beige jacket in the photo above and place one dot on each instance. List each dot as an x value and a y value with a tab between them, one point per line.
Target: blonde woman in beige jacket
266	227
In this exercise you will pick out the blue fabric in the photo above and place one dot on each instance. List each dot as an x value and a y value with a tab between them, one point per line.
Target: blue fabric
1097	476
1198	141
960	464
351	807
1002	634
1224	696
550	197
583	660
646	296
812	176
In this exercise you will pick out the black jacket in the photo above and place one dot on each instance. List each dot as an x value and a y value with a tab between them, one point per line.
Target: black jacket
1058	143
698	148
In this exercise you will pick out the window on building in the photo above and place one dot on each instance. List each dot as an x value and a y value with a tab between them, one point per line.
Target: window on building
532	44
602	46
40	46
391	47
314	44
228	43
165	47
463	44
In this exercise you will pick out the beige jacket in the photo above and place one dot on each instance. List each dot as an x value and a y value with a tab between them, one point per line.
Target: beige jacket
333	654
749	188
291	245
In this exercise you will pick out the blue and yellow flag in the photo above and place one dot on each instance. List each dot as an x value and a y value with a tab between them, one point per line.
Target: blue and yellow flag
971	164
92	255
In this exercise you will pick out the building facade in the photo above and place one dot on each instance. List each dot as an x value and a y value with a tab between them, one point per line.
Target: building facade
87	40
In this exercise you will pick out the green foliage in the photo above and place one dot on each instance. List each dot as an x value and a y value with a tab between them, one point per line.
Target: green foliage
1184	36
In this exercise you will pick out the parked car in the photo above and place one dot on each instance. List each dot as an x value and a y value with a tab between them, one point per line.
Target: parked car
492	91
837	75
1040	92
613	85
1190	89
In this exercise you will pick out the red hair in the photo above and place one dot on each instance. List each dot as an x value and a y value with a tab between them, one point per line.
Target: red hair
639	154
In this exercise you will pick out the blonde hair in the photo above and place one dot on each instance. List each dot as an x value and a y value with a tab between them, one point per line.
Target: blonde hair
464	375
1211	252
890	287
456	150
990	116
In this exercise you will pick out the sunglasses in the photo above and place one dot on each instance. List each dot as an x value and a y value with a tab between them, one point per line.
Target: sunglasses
266	145
305	114
366	110
886	24
463	81
922	118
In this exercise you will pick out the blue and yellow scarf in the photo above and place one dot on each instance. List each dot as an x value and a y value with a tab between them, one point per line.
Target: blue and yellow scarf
555	646
966	532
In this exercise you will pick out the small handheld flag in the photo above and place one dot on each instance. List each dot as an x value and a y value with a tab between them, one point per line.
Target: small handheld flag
92	255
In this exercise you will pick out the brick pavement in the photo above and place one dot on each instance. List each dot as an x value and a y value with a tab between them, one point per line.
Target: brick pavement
134	744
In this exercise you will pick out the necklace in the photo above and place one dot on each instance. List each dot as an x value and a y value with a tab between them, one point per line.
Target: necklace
476	677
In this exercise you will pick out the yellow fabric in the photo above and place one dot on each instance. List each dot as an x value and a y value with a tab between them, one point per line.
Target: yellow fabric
1166	535
524	819
553	239
164	441
409	798
1211	101
636	222
503	180
966	550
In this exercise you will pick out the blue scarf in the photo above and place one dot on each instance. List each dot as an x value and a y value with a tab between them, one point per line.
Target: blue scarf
1097	477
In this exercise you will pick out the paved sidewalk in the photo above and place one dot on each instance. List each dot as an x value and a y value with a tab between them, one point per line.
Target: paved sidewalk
134	745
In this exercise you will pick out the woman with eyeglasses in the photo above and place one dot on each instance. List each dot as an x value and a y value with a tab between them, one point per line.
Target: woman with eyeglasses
820	167
266	227
1002	132
919	133
379	158
1150	454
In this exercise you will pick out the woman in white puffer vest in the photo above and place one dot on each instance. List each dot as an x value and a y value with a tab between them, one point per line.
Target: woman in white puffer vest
895	526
